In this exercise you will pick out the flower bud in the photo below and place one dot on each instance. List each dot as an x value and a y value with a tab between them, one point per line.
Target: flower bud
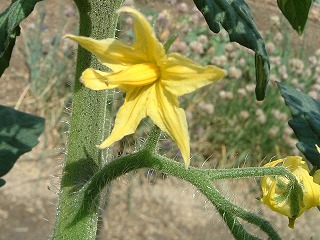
280	195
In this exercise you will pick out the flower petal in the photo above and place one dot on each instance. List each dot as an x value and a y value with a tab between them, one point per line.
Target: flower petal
129	115
277	191
296	164
96	80
144	37
111	52
163	109
135	75
181	75
311	198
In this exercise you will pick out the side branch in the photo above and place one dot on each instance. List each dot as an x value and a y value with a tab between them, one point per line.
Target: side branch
198	177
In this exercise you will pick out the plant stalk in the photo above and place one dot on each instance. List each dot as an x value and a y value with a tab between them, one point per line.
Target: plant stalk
90	124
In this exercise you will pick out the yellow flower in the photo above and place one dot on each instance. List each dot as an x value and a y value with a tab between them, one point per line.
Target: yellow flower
151	79
277	191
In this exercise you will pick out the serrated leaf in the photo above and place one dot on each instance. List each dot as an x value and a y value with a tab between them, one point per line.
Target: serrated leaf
305	121
9	28
19	133
296	12
236	18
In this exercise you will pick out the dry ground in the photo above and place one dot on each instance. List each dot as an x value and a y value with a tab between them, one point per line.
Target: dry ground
168	209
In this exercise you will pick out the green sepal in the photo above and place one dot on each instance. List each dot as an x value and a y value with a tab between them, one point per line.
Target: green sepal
296	12
169	42
305	121
236	18
10	29
296	202
296	199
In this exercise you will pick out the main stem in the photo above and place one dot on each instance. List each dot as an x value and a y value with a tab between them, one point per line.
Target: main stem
90	123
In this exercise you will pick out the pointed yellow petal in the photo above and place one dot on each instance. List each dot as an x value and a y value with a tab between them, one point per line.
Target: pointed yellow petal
96	80
129	116
181	75
144	37
275	163
111	52
136	75
163	109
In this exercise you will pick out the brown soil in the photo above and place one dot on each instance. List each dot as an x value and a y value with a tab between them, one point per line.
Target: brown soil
168	209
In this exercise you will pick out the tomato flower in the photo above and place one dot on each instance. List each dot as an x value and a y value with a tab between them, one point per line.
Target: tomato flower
277	191
151	79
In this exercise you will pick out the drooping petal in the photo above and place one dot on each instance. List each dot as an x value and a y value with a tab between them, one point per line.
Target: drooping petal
96	80
311	188
129	115
144	37
111	52
311	199
181	75
270	195
163	109
276	198
277	190
296	165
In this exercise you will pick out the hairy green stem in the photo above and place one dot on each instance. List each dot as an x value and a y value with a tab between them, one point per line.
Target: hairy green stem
152	141
146	158
215	174
90	123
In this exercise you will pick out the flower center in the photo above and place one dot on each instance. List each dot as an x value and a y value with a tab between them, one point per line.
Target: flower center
135	75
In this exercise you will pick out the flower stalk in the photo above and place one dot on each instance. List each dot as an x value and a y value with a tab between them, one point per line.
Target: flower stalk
200	178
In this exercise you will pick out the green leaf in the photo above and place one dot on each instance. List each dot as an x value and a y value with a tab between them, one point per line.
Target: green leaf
9	28
19	133
305	121
169	42
296	12
236	18
2	182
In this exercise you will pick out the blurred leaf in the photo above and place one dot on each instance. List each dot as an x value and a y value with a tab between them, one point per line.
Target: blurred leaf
19	133
2	182
296	12
9	28
236	18
305	121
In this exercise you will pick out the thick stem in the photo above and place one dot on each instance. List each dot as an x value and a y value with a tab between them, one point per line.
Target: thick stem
90	123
